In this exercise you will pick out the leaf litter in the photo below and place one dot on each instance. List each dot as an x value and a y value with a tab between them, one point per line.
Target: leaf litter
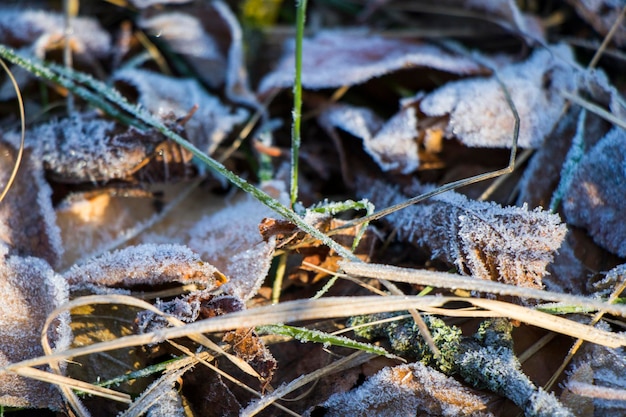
84	166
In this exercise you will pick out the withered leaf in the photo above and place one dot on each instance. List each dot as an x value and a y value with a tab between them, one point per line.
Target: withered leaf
31	291
508	244
147	264
412	389
595	197
392	144
341	57
169	97
27	219
88	148
250	347
478	111
602	15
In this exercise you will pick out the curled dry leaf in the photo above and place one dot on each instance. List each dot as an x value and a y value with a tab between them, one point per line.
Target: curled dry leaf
392	144
412	389
508	244
86	148
169	97
209	37
27	219
336	58
31	291
480	115
147	264
594	199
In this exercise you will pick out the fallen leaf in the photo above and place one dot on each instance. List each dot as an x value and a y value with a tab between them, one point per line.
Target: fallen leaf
480	115
27	219
31	291
594	199
335	58
403	390
508	244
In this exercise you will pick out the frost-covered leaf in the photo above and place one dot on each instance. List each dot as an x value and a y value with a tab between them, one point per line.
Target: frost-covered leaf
169	97
36	32
594	199
488	241
27	219
230	240
336	58
596	370
478	110
87	148
30	291
404	390
209	36
392	144
147	264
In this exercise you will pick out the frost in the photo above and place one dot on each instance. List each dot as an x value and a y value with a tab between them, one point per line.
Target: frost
27	219
176	97
336	58
170	404
30	291
508	244
85	148
480	115
147	264
408	390
392	145
594	199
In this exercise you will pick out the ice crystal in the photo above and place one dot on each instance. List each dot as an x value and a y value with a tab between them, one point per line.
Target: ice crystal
507	244
479	113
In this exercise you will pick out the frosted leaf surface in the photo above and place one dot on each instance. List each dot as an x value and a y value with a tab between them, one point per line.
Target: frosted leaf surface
147	264
595	199
30	291
508	244
230	240
142	4
168	96
408	390
336	58
478	111
27	218
85	148
392	144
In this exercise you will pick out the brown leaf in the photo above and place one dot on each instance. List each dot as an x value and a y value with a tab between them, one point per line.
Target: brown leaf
249	347
30	291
